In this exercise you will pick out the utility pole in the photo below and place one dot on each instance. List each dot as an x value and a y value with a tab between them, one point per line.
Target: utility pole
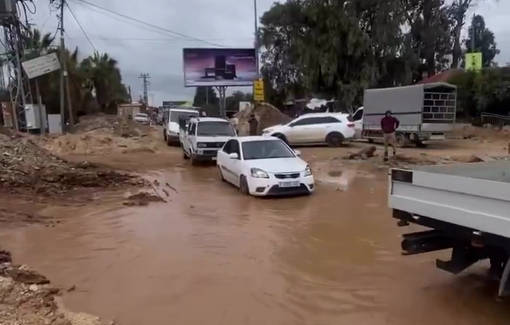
473	33
145	77
257	58
64	78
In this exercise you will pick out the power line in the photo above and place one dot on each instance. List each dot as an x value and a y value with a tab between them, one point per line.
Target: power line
81	27
159	39
151	25
142	26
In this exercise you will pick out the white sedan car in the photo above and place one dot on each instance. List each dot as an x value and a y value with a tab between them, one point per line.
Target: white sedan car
264	166
333	129
142	118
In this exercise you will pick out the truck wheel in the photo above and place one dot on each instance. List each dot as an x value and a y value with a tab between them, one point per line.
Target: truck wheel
402	140
164	135
194	162
335	139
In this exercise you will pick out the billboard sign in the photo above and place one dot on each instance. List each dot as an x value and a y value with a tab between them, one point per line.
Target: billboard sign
219	67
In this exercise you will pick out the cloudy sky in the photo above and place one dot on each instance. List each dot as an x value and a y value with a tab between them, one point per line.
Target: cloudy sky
143	49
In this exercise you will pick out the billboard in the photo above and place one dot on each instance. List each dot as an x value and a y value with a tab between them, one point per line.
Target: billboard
219	67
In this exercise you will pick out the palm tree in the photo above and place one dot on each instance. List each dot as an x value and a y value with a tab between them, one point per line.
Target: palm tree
103	72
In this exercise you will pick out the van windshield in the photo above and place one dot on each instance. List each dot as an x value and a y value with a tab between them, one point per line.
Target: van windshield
176	116
215	129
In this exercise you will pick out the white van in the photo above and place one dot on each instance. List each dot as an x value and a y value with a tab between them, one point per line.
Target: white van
204	136
171	124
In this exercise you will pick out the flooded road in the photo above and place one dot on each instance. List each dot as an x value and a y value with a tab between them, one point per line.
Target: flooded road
212	256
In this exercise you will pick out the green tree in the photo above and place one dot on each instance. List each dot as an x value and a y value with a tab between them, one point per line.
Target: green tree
484	41
204	95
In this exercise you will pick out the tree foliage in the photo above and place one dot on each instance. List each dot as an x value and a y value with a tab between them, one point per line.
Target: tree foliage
95	82
483	41
338	48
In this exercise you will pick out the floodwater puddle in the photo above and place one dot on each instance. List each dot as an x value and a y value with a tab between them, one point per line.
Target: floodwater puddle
210	255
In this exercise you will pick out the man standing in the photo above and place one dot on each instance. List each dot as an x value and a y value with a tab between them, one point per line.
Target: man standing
254	124
389	124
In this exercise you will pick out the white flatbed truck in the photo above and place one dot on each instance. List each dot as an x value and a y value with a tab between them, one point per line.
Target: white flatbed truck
465	206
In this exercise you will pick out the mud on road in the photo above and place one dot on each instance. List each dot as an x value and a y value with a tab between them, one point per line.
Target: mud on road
188	242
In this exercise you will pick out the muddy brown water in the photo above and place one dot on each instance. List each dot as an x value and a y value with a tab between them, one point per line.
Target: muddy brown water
212	256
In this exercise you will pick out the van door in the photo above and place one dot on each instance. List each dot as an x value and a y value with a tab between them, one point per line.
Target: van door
357	118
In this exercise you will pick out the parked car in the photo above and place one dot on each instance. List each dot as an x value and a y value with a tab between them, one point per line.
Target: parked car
332	129
202	137
142	118
264	166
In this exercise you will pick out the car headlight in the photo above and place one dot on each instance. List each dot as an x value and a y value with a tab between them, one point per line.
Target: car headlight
308	171
201	145
258	173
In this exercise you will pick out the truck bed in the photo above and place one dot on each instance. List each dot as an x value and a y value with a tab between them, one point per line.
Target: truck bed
475	196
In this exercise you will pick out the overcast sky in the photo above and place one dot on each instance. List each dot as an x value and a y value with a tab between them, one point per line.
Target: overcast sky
142	49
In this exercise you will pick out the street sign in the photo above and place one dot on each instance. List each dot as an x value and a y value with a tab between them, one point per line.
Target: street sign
258	90
473	61
42	65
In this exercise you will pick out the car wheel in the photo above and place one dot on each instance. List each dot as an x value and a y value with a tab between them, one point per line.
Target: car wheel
221	174
243	185
335	139
184	155
281	137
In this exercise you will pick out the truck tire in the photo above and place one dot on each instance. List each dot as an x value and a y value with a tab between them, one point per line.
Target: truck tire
335	139
164	135
402	140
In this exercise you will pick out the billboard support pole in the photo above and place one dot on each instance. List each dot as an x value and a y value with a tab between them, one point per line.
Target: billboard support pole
223	100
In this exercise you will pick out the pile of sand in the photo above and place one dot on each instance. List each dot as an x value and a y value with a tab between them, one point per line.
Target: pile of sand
266	114
99	134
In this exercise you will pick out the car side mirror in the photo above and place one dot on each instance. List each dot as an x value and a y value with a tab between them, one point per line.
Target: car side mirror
297	152
233	155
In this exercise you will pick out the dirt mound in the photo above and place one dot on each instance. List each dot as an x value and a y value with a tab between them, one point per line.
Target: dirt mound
100	134
27	168
266	114
26	297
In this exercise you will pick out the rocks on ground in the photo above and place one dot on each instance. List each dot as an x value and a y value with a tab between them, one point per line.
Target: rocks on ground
29	169
26	297
266	114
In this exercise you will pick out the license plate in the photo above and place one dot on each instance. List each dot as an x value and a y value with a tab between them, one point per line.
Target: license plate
288	184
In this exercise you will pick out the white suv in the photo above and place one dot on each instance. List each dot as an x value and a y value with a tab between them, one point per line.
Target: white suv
332	129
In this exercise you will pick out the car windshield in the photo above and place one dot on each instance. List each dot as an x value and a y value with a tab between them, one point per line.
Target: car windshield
215	129
266	149
176	116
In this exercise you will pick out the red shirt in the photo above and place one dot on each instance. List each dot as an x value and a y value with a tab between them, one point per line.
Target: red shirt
389	124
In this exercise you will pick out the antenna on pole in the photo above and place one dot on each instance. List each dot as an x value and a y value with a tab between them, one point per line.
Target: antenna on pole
145	77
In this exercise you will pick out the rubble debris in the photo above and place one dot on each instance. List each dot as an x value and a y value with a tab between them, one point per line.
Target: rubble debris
266	114
28	298
142	199
365	153
28	168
